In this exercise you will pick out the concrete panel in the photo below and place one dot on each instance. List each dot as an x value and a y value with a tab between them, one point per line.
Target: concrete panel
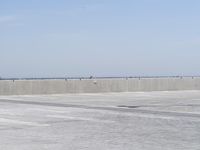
59	86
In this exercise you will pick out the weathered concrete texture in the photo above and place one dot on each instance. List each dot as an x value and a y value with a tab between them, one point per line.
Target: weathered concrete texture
29	87
168	120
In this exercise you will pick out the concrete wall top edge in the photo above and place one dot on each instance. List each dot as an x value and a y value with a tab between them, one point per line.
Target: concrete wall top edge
128	78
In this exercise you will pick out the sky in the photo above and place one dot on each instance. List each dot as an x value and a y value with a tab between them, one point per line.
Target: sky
72	38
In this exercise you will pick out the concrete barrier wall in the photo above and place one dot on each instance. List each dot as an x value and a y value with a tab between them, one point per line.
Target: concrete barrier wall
59	86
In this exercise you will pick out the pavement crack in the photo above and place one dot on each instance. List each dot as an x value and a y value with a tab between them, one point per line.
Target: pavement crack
121	108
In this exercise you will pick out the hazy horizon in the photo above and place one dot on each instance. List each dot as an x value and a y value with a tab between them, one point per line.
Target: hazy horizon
100	38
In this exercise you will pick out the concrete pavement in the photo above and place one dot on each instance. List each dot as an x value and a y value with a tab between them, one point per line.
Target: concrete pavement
111	121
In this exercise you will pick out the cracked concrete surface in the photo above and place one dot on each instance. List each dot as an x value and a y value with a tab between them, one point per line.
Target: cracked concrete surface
111	121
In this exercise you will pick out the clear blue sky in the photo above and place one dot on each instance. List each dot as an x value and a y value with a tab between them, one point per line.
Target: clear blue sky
56	38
